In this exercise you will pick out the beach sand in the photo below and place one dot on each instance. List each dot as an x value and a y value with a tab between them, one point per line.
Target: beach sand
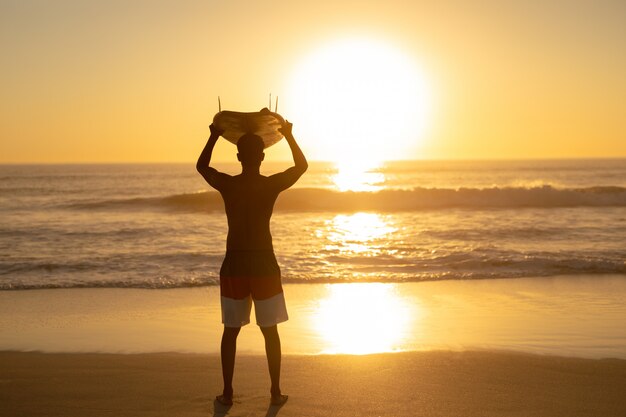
524	347
436	383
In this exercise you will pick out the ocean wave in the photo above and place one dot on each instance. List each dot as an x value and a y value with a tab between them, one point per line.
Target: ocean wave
471	265
320	199
150	284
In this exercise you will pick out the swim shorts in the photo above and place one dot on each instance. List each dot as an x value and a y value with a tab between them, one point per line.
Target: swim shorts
247	276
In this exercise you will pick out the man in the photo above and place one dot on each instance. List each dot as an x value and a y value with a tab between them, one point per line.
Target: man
250	271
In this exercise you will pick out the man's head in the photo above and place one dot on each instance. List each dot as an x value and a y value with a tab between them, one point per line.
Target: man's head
250	148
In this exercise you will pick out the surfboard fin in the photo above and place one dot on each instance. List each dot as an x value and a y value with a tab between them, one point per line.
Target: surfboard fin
219	104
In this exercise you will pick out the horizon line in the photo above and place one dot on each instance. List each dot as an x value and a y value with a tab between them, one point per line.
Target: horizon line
505	159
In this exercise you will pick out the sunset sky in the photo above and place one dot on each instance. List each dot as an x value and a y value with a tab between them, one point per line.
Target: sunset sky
137	81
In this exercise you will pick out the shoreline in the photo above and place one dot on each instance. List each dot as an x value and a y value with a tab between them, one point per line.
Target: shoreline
574	316
434	383
290	282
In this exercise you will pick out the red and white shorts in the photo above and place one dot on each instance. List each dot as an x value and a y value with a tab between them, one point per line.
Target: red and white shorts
247	276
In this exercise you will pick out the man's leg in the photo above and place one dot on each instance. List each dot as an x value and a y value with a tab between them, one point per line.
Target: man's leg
228	349
273	352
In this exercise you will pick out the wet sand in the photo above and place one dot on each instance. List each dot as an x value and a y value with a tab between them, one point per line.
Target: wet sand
436	383
572	316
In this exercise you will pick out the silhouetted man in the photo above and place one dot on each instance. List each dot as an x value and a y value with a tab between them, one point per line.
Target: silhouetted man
250	271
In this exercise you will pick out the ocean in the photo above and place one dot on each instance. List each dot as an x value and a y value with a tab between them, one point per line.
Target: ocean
160	226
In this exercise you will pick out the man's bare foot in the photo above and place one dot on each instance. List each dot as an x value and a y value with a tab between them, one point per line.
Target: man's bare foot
279	399
224	400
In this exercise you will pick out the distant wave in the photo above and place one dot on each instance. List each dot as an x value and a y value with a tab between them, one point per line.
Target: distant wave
320	199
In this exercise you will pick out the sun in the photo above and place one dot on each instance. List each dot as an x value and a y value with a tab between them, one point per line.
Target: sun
359	101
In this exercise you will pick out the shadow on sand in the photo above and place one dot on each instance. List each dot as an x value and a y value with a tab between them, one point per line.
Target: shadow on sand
221	410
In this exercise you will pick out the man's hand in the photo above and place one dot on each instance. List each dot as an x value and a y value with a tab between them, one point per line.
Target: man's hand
216	132
285	129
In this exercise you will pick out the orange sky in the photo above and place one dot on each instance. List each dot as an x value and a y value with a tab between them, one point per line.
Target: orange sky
118	81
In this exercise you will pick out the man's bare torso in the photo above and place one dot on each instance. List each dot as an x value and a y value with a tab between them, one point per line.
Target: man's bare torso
249	202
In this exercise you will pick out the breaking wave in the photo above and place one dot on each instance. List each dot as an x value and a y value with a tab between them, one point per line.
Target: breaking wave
320	199
453	267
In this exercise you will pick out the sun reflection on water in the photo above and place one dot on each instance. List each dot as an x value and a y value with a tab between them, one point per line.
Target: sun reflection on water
362	176
356	232
363	318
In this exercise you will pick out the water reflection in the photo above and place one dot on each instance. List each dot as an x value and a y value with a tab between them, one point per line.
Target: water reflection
358	177
355	232
363	318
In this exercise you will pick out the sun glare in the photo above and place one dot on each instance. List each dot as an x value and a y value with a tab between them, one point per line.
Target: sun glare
363	318
360	101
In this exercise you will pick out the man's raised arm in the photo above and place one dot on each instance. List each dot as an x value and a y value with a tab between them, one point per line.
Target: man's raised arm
288	178
299	160
211	175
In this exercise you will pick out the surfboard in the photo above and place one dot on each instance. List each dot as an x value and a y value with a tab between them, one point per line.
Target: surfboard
263	123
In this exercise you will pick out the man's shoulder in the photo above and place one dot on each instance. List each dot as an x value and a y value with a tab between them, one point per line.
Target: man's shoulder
287	178
215	178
